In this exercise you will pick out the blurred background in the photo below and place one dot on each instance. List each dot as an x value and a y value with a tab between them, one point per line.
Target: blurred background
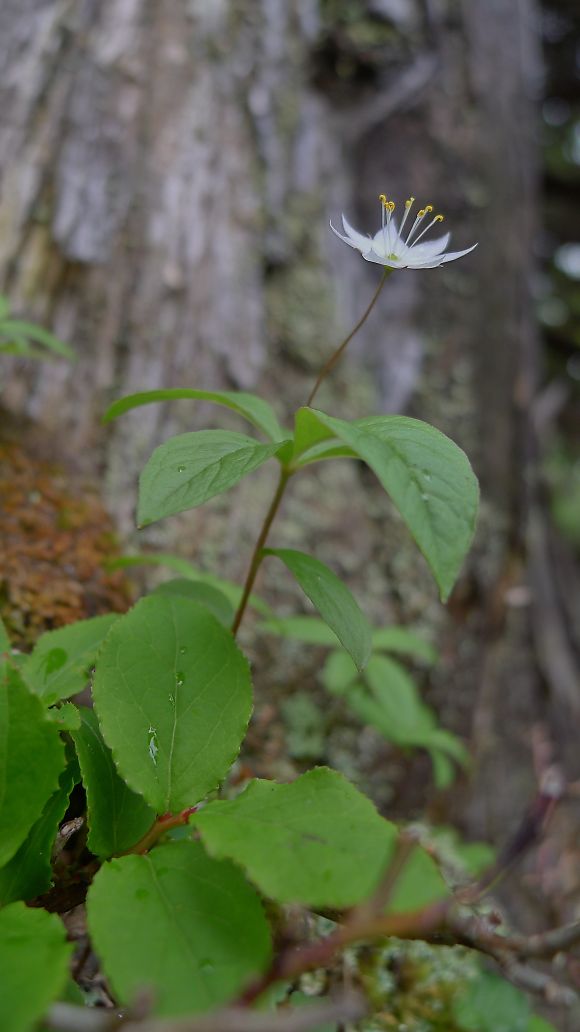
168	171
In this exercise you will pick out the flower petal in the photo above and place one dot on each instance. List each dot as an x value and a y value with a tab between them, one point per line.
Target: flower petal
457	254
364	243
430	248
346	239
389	262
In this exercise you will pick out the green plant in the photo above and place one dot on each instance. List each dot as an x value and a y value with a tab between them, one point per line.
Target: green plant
187	890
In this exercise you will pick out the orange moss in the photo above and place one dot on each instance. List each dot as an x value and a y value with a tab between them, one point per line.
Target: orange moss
56	537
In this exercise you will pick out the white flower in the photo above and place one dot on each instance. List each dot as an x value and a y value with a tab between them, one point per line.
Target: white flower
389	248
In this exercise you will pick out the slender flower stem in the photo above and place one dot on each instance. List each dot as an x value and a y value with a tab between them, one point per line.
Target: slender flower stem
339	351
286	473
257	553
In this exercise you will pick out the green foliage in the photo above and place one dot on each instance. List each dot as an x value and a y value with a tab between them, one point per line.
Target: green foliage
33	965
29	872
250	406
333	601
117	816
173	696
191	468
27	340
208	596
60	663
317	841
426	475
490	1004
31	760
192	929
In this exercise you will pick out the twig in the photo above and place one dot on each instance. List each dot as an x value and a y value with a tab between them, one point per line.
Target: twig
349	1007
163	824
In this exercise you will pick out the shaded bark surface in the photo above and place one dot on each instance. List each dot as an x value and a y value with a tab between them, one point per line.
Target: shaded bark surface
168	171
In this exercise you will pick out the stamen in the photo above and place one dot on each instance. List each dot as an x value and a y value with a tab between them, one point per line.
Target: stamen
420	216
438	218
408	205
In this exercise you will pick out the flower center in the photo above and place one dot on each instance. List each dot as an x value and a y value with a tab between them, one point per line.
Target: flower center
387	209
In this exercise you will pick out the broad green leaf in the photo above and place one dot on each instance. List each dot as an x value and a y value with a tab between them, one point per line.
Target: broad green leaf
117	816
60	663
205	594
31	759
317	841
191	468
308	629
426	475
233	592
490	1004
538	1024
332	599
175	922
29	873
34	957
16	328
257	411
173	696
404	642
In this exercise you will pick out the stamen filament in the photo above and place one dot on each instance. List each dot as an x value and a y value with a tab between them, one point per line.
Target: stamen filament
438	218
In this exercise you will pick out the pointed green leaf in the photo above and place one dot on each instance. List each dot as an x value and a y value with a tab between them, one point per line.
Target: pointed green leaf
426	475
332	599
175	922
338	673
29	873
490	1004
31	759
250	406
61	660
34	957
190	469
117	816
317	841
208	596
173	696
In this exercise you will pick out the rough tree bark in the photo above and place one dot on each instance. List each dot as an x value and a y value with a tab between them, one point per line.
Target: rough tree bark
168	170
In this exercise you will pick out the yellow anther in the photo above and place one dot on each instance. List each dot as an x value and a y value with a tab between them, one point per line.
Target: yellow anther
383	198
439	218
429	207
409	202
421	214
390	205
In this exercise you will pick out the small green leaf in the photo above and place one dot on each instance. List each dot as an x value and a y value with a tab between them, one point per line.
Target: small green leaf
5	644
34	957
29	873
10	328
61	660
404	717
191	468
338	673
173	696
426	475
177	923
257	411
66	716
308	629
317	841
31	759
404	642
332	599
205	594
117	816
